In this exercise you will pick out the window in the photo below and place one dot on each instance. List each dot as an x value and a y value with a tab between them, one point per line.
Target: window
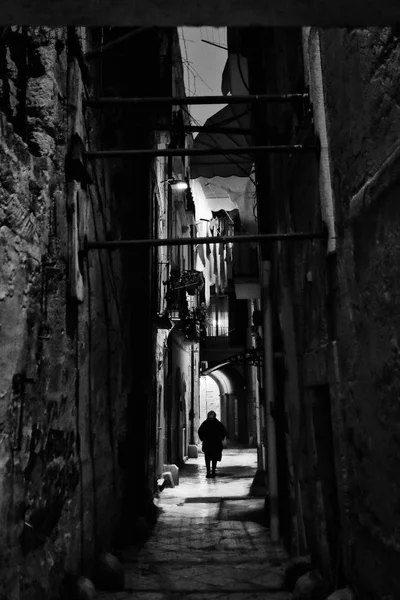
218	316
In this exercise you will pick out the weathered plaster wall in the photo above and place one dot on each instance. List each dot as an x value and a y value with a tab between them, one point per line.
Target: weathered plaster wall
181	389
362	82
298	288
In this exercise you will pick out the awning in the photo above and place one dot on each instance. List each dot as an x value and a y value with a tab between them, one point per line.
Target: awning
237	116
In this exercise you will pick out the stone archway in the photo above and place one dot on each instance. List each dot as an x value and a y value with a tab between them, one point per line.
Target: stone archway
233	408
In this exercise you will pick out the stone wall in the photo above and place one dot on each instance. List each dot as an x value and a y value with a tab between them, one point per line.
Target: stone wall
73	390
342	406
362	83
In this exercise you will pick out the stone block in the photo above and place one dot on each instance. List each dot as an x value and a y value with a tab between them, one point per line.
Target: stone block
295	568
85	589
110	574
193	451
174	470
169	480
310	586
342	594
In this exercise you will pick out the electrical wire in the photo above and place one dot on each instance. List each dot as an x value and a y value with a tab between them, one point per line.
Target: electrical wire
187	57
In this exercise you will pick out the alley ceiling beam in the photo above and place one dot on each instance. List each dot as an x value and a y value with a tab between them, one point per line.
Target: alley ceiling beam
234	13
296	148
198	100
242	239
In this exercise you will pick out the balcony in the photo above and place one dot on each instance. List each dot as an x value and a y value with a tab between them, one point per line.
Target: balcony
190	320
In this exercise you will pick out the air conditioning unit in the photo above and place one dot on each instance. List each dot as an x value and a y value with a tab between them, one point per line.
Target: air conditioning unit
203	365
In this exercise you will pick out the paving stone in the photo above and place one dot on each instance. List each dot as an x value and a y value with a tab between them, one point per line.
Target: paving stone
210	541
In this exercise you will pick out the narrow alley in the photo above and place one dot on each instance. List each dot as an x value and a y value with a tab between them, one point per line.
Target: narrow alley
189	269
210	542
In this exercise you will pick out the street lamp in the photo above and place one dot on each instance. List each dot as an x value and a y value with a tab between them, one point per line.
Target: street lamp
176	184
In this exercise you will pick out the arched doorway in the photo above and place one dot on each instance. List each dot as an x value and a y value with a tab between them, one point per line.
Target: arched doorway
229	384
210	397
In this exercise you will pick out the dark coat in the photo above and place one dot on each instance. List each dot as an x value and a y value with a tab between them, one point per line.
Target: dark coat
211	433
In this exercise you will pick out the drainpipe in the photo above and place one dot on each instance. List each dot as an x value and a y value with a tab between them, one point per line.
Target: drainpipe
253	400
191	416
312	52
269	400
313	64
260	407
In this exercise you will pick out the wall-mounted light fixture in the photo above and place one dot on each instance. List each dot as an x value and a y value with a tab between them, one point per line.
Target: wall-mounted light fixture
177	184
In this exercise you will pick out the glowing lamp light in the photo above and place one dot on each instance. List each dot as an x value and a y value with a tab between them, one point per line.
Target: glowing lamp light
177	184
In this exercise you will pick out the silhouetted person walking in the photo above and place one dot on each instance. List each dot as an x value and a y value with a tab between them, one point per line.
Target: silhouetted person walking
211	433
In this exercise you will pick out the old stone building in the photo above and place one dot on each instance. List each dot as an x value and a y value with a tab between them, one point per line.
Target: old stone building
333	301
86	425
102	349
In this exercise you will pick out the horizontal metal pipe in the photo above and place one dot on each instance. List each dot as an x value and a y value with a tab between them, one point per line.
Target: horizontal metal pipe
123	38
199	151
207	129
271	237
192	100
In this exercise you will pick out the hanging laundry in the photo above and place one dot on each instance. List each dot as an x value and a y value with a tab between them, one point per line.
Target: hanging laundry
200	259
222	268
207	293
215	267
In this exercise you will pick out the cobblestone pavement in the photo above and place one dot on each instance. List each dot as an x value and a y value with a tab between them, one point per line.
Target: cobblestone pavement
210	542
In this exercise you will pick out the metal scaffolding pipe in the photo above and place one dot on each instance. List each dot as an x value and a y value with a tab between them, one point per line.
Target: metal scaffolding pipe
272	237
192	100
199	152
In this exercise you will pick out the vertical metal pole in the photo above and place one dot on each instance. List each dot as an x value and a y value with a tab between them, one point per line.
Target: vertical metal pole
192	399
260	407
251	381
269	401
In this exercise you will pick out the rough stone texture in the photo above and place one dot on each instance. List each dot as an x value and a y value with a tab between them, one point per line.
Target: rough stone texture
174	470
306	467
310	586
343	594
343	425
296	568
40	472
362	83
338	315
85	589
109	573
67	377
